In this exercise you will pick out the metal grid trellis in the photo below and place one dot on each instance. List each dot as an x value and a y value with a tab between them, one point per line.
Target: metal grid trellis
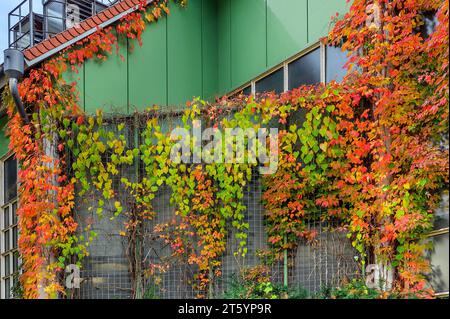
106	271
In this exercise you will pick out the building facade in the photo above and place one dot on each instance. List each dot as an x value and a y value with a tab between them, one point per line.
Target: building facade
209	49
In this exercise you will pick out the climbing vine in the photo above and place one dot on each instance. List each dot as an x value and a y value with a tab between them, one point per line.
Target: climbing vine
48	237
366	152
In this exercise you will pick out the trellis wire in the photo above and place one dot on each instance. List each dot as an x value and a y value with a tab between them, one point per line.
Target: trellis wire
105	273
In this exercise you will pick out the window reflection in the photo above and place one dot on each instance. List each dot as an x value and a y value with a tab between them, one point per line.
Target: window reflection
247	90
439	263
305	70
441	214
335	61
274	82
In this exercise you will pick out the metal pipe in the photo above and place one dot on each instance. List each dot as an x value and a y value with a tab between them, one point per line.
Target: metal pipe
14	69
17	100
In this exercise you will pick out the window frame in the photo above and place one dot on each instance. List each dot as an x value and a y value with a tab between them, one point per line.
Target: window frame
431	235
12	224
285	66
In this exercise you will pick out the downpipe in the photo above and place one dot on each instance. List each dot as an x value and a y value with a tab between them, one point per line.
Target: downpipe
17	100
14	70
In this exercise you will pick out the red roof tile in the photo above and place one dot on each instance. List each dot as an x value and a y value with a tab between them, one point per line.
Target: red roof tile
79	31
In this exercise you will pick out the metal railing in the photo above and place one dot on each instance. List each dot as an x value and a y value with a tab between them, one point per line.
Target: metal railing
31	22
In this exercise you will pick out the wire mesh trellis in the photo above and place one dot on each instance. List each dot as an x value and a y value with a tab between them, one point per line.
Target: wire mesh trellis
107	271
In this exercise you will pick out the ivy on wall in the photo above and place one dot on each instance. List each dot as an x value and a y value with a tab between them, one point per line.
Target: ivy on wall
366	154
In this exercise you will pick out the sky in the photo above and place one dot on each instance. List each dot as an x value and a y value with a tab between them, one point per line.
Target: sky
5	7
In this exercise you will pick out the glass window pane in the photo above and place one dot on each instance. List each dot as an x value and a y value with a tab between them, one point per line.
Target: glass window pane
305	70
7	241
335	62
16	262
272	83
14	213
54	22
439	263
15	237
6	217
10	173
441	214
7	288
247	90
7	266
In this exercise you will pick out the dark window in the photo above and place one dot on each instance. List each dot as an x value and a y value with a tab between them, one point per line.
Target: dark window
429	23
15	237
335	62
7	241
274	82
247	90
6	217
10	173
7	266
305	70
14	213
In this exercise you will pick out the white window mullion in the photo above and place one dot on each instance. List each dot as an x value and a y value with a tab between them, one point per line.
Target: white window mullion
323	65
286	77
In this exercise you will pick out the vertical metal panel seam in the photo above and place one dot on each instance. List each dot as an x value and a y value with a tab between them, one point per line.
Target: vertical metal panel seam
231	48
267	37
307	21
84	86
202	45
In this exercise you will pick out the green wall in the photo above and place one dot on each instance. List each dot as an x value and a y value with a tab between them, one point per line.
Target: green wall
207	49
255	35
4	141
177	61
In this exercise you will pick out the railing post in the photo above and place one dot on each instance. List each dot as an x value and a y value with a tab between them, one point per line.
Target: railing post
9	30
20	26
31	14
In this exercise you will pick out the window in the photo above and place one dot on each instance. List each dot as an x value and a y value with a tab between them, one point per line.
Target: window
54	13
274	82
305	70
247	90
316	64
301	69
335	62
10	179
439	255
9	258
428	25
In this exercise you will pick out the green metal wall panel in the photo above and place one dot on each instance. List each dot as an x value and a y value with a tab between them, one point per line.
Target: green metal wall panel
209	49
319	16
287	29
106	83
248	40
224	45
184	47
77	76
4	141
206	49
148	68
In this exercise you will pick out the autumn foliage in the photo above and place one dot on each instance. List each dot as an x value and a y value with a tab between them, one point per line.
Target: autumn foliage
369	153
